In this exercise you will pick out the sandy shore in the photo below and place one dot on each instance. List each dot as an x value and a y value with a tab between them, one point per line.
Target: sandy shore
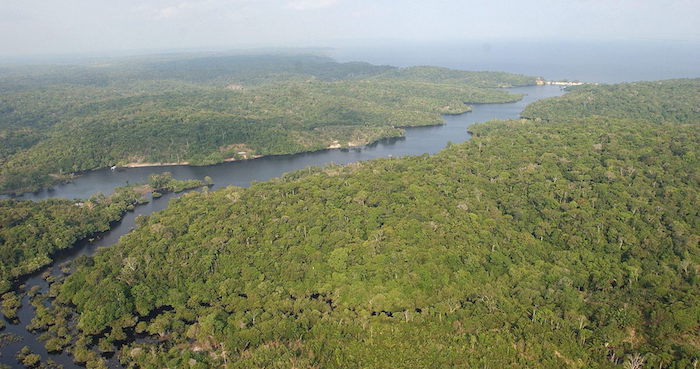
142	165
139	165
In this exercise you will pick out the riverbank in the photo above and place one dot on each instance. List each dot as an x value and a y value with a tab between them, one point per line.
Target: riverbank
38	282
147	165
414	141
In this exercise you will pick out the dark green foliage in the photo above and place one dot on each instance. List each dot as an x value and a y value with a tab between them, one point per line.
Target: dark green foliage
660	101
7	338
165	182
430	74
568	244
254	69
9	303
63	120
31	232
27	358
53	324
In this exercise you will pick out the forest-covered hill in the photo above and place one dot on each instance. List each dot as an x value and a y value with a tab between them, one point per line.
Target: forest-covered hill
568	240
59	120
658	101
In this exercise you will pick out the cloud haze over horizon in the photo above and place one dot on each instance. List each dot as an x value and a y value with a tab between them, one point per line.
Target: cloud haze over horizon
34	27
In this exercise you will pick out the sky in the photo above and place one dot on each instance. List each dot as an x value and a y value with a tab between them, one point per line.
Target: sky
45	27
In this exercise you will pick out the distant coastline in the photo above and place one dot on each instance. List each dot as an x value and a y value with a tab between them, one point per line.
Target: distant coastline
542	82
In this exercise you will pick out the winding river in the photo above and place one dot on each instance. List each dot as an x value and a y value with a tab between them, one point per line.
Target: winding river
417	141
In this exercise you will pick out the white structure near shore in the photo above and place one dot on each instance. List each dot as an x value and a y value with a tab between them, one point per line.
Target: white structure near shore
541	82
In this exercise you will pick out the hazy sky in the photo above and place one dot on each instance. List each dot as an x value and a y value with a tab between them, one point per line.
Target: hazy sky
66	26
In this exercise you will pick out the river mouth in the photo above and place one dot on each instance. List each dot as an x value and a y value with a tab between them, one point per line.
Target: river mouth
416	141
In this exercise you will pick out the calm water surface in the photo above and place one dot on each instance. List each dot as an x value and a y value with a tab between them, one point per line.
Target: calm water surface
417	141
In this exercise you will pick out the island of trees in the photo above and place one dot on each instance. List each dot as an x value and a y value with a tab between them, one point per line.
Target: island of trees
567	239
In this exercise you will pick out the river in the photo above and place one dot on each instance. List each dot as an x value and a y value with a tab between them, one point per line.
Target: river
417	141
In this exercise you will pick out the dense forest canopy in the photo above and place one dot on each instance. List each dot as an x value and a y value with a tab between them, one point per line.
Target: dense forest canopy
56	121
430	74
211	70
32	232
658	101
567	243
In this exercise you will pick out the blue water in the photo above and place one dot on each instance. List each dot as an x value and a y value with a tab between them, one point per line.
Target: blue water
416	141
604	62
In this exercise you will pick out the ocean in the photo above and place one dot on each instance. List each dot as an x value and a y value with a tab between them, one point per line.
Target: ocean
590	61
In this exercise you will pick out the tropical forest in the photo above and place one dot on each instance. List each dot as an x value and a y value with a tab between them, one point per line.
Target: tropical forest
566	238
58	121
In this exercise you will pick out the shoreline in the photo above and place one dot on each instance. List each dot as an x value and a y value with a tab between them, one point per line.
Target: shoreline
333	146
132	165
183	163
